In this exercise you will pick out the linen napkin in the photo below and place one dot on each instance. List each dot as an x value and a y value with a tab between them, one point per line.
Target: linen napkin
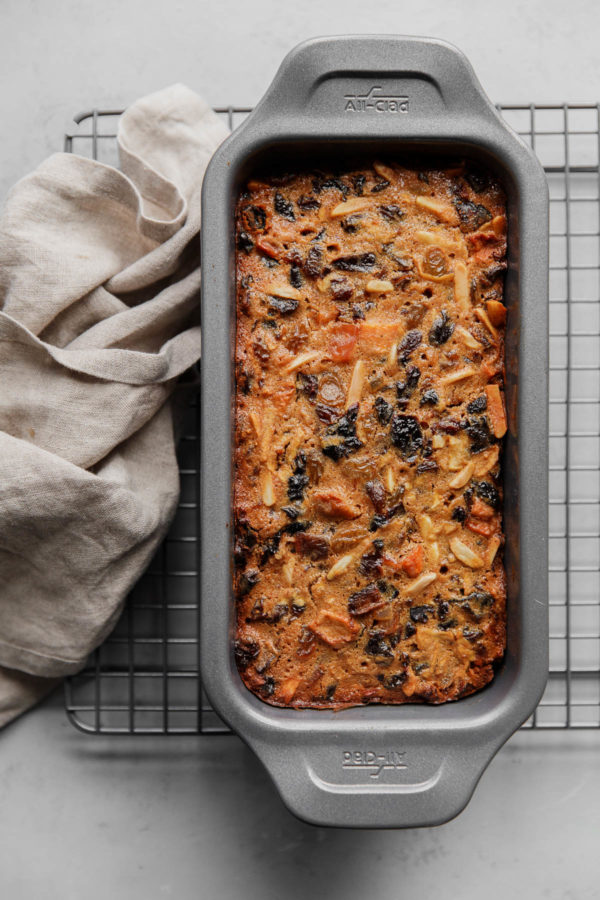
99	316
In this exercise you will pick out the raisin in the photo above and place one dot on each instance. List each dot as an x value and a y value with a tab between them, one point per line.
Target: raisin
406	434
326	414
313	265
330	691
479	434
471	634
477	179
245	242
477	405
404	389
481	598
307	201
378	646
472	215
284	207
365	600
409	630
443	609
358	182
380	185
341	289
247	581
292	512
381	519
307	385
428	465
395	681
421	613
336	184
435	262
429	398
311	545
384	410
254	217
283	305
449	426
409	342
391	212
351	224
360	262
245	541
295	276
488	493
441	330
267	688
459	514
261	350
296	486
245	651
376	493
370	562
448	624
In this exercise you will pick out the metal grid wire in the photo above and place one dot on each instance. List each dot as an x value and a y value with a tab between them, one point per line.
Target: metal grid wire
145	678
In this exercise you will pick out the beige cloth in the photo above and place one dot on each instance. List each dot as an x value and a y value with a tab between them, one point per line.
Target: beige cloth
99	315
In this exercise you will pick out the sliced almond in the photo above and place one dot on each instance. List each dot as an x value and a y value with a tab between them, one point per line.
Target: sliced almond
496	313
464	553
462	477
356	383
389	481
288	571
442	211
378	286
483	317
492	548
286	291
425	526
393	355
350	206
461	286
301	360
340	566
268	489
458	375
384	171
256	423
497	225
467	338
420	583
433	550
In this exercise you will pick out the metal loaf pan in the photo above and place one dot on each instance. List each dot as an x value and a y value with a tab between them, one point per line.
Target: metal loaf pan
382	766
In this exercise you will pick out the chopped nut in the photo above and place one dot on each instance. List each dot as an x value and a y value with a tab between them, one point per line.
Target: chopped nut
464	553
486	461
377	286
492	549
339	567
458	375
457	454
483	317
496	410
438	441
268	490
288	688
350	206
301	360
286	291
496	312
335	629
461	286
384	171
467	338
356	384
463	477
420	583
442	211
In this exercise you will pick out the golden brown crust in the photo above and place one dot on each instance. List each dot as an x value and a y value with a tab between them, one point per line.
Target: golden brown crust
369	415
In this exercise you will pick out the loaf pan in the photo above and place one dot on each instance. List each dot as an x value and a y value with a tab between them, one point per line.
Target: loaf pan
382	766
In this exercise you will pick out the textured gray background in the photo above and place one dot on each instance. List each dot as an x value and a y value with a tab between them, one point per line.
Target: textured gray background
197	817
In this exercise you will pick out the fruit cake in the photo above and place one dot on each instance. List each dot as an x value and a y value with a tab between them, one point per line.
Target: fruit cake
369	415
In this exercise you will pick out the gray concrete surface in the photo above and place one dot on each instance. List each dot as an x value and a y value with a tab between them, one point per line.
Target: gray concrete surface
197	817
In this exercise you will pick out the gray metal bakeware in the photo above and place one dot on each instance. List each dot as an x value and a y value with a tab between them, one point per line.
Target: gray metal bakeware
382	766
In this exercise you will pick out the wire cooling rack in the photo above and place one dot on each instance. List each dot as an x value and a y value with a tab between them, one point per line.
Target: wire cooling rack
145	679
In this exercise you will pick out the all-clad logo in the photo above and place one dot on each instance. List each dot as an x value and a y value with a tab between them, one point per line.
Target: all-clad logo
376	100
375	762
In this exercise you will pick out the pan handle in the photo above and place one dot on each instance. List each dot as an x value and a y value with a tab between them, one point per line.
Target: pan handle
373	85
380	780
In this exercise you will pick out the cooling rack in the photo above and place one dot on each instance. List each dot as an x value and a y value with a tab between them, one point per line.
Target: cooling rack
145	679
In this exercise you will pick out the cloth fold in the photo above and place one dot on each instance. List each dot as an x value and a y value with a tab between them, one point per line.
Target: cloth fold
99	316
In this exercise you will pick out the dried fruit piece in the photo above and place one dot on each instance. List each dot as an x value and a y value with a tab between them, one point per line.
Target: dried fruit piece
315	546
496	313
334	505
342	342
288	688
412	562
366	600
441	330
406	434
334	629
